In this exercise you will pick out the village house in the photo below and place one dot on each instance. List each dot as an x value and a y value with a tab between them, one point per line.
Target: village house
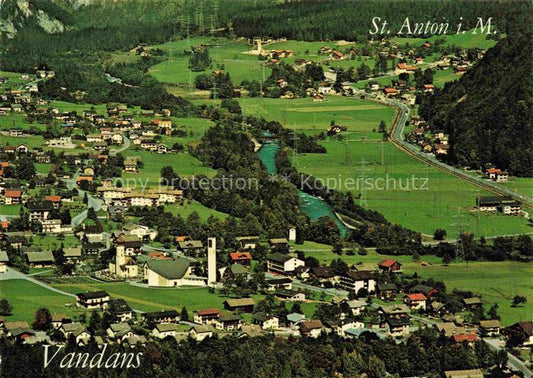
4	260
191	247
520	333
390	265
163	330
387	291
293	320
290	295
278	283
354	306
311	328
428	291
140	232
228	323
283	264
415	301
167	316
497	175
243	258
58	320
44	259
395	319
120	310
119	331
207	316
357	281
12	197
81	335
233	271
240	304
200	332
490	327
247	243
265	321
94	299
472	303
130	165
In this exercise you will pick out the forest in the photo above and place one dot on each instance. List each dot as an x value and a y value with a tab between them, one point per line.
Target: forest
424	353
488	111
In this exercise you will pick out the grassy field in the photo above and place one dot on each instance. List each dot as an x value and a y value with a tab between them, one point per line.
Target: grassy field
9	209
443	202
466	40
26	297
191	206
49	242
361	117
522	185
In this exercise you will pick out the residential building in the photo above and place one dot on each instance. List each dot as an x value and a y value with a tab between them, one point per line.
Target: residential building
94	299
357	281
283	264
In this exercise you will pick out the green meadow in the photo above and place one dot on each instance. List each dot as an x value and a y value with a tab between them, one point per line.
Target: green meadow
361	117
405	190
26	297
191	206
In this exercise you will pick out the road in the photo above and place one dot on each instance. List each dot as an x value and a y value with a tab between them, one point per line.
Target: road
397	139
514	363
95	203
125	146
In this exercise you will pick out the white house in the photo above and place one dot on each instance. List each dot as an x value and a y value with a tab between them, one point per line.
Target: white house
284	264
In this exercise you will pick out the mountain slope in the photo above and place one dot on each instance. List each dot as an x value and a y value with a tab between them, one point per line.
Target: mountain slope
488	112
49	16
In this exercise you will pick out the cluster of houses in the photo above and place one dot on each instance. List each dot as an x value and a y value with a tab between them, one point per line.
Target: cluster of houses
432	143
127	197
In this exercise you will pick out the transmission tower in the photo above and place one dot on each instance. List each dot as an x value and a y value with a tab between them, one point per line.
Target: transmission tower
459	228
362	199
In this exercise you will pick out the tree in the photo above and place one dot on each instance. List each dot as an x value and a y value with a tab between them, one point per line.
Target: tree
382	127
297	308
184	314
439	234
493	312
85	199
91	214
5	307
42	320
337	248
518	299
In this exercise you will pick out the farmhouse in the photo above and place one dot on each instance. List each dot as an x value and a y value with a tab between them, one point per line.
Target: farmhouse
390	265
504	204
491	327
497	175
247	242
428	291
43	259
240	304
395	319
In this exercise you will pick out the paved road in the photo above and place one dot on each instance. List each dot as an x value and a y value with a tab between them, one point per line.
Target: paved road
514	363
93	202
125	146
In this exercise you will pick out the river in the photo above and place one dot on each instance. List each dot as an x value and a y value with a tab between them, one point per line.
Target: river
313	207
